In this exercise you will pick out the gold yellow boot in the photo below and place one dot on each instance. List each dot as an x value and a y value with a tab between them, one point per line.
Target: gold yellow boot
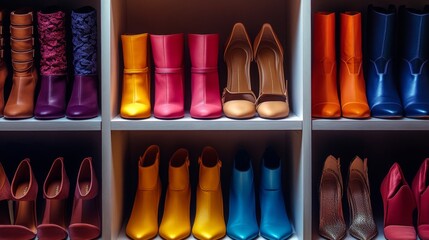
143	223
136	83
209	221
176	222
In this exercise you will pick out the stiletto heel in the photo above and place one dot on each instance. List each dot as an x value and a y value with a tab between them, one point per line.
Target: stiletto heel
238	99
55	191
331	218
273	98
399	204
362	224
421	195
85	220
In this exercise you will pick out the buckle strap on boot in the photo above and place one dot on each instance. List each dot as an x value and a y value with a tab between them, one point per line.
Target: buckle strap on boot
136	70
168	70
21	67
22	56
21	18
21	32
203	70
22	45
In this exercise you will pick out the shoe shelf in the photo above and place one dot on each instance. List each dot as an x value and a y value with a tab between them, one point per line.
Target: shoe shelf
372	124
187	123
62	124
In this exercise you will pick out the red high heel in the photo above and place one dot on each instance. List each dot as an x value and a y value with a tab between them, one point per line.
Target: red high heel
399	204
420	186
4	199
55	191
24	192
85	220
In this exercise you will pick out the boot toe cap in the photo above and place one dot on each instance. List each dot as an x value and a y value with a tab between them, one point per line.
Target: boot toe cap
396	232
48	112
326	110
135	111
387	110
423	231
242	231
169	110
81	112
417	110
356	110
206	111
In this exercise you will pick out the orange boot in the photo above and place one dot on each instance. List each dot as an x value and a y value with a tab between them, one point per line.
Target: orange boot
352	82
143	222
324	94
135	102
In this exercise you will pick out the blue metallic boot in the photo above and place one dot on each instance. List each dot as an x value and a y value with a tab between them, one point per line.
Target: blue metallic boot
274	220
381	90
242	222
414	68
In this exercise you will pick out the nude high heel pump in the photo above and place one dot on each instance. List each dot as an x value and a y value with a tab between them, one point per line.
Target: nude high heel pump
273	98
238	99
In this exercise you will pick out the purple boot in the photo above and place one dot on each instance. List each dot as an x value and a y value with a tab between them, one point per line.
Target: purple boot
53	64
83	102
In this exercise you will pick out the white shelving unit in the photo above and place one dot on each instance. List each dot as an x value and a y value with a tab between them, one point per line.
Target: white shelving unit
303	143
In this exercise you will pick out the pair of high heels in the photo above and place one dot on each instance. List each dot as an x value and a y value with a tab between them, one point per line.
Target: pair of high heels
209	220
399	202
331	222
238	99
242	223
85	219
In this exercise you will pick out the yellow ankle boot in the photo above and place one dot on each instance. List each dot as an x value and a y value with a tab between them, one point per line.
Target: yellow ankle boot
209	220
136	83
176	222
143	223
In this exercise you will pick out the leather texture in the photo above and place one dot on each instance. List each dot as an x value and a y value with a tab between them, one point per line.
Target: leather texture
24	193
3	67
5	197
331	217
324	91
238	99
85	222
272	102
242	223
362	224
413	67
205	101
83	103
51	101
398	204
381	89
143	222
167	52
421	196
209	220
176	223
56	190
275	222
135	103
352	83
20	103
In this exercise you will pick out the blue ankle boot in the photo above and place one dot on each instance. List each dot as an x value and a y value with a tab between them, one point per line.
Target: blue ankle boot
242	216
274	220
381	90
414	68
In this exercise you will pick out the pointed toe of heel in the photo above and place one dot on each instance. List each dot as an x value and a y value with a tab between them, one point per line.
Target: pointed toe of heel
396	232
356	110
326	110
242	232
273	109
51	231
82	231
387	110
239	109
16	232
417	110
135	111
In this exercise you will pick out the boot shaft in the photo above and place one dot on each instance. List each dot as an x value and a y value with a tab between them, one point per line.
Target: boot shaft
381	34
167	52
178	171
351	36
52	37
414	34
324	36
134	49
203	49
84	30
1	39
22	41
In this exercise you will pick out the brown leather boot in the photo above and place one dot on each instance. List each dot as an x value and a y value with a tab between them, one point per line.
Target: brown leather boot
20	103
3	68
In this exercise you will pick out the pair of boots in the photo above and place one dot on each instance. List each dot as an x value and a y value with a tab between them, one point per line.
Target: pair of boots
85	220
325	102
242	222
51	103
209	221
168	56
413	71
399	202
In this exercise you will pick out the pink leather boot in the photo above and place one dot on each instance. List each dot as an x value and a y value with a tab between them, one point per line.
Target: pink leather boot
167	52
203	50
